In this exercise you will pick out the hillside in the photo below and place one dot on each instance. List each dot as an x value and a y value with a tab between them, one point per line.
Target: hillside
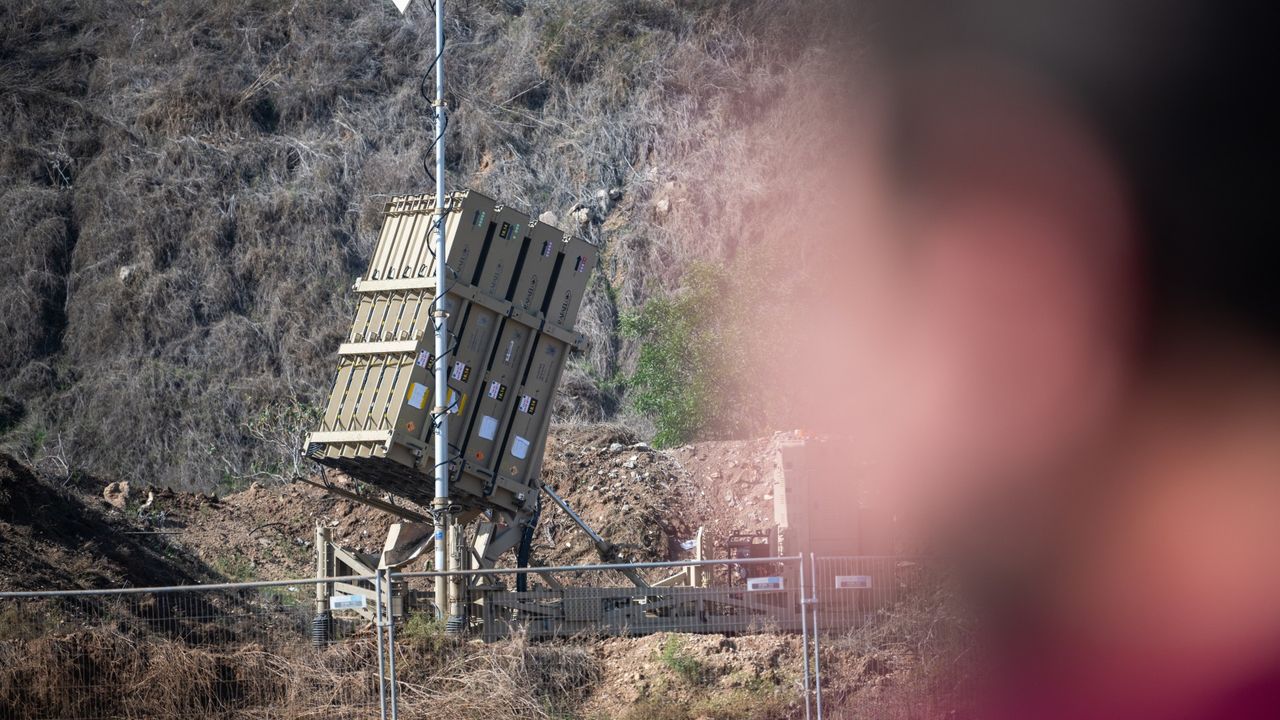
188	190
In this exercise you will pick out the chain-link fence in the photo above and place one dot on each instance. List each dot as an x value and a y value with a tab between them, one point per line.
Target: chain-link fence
834	637
244	650
888	642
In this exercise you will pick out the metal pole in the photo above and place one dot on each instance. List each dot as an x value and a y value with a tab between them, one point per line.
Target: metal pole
604	548
440	506
382	672
817	662
804	640
391	646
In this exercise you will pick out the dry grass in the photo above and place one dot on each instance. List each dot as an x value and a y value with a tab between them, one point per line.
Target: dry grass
104	673
188	190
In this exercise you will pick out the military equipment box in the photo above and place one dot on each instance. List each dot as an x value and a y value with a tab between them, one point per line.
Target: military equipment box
514	290
822	503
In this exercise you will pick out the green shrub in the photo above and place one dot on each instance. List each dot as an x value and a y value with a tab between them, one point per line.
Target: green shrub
677	659
424	631
674	381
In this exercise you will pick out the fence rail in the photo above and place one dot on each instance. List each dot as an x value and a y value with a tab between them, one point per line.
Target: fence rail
270	650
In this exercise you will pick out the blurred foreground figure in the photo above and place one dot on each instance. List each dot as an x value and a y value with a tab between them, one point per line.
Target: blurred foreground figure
1079	342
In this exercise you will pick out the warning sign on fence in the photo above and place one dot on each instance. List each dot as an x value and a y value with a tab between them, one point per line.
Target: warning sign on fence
764	583
347	602
853	582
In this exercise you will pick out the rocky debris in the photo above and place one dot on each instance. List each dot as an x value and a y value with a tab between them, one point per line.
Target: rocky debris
650	502
116	494
582	214
548	218
626	491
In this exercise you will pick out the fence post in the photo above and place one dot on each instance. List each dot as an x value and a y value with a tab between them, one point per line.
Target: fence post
804	640
817	659
391	643
377	622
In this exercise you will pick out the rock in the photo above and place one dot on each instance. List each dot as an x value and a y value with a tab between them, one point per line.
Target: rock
663	206
116	494
615	194
548	218
582	215
615	448
630	464
126	272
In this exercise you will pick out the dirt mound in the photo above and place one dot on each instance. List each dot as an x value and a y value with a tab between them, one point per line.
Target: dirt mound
734	481
55	538
266	532
650	502
72	537
646	501
629	493
680	676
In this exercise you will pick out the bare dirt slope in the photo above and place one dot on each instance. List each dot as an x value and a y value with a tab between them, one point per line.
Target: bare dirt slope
646	501
52	537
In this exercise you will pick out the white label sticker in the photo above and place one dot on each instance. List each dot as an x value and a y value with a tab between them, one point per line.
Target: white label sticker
853	582
347	602
488	427
417	395
424	358
520	447
757	584
460	371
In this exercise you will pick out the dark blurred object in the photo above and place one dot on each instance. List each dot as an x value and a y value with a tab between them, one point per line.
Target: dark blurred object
1178	92
1078	196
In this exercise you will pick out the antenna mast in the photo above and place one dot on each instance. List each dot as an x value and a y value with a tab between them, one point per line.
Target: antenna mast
440	413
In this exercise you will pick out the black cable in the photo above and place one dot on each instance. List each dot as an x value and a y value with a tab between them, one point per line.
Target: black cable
422	90
426	167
